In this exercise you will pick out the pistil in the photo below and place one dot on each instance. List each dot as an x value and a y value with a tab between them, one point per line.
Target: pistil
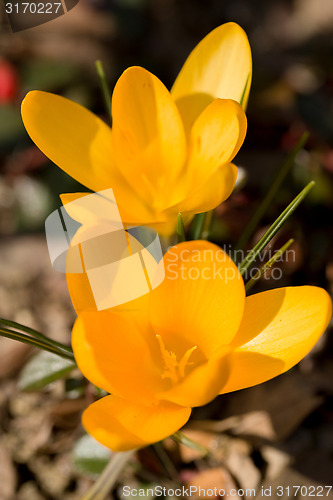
173	369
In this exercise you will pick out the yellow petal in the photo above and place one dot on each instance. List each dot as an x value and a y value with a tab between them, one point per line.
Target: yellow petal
112	354
123	425
103	247
220	66
71	136
92	210
148	135
80	292
80	144
207	197
202	384
279	328
215	138
201	298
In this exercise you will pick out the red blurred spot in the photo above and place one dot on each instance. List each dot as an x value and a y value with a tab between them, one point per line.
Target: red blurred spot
8	82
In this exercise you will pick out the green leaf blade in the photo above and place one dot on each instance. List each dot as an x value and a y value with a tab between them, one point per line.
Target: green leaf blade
277	224
43	369
268	265
89	456
272	191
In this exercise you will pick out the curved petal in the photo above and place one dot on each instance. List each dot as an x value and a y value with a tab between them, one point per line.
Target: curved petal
82	298
202	384
93	208
250	368
215	139
220	66
123	425
80	292
217	189
201	298
111	352
80	144
131	209
71	136
148	136
278	329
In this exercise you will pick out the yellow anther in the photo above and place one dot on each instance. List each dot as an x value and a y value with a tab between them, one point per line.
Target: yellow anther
172	368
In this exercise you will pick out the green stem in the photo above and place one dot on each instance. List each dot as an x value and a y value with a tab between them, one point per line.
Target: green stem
109	476
197	226
200	226
26	339
268	264
180	229
266	238
206	225
265	203
241	102
104	88
34	333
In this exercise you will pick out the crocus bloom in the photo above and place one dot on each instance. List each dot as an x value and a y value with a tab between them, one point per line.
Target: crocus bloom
166	152
192	338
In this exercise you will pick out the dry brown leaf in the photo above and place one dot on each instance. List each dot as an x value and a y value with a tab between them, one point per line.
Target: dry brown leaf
8	477
240	464
66	413
13	354
277	461
256	423
287	401
216	477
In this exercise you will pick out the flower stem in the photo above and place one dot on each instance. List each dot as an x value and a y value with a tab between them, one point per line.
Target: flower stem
180	229
241	102
276	183
266	238
206	225
109	476
105	88
197	226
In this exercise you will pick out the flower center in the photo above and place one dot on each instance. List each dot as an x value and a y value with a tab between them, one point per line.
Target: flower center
173	369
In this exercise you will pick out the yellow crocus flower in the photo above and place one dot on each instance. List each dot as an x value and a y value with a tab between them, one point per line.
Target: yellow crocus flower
166	152
192	338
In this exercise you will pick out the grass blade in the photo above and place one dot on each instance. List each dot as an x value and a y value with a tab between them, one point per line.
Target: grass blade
26	339
263	206
26	329
266	238
268	264
104	88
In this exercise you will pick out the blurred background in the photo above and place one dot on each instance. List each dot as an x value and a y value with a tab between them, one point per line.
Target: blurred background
279	433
